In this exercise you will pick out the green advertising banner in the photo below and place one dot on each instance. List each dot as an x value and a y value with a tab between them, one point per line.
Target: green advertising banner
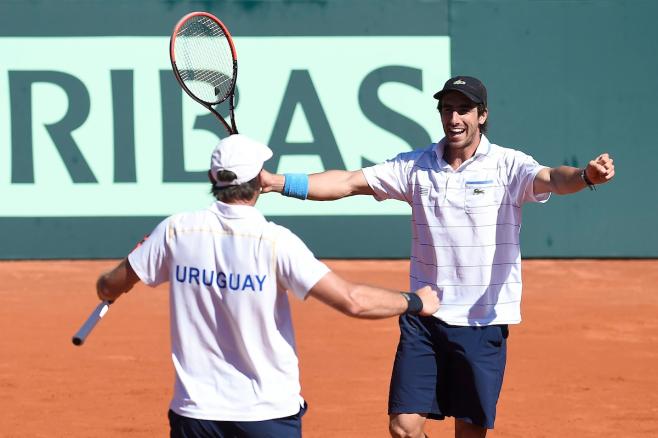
98	143
114	136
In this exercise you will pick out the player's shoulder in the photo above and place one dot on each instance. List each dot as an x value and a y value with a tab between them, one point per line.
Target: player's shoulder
507	155
279	232
420	156
189	219
189	216
285	239
513	161
418	153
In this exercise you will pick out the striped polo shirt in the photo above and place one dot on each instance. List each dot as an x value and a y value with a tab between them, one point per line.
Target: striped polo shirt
466	224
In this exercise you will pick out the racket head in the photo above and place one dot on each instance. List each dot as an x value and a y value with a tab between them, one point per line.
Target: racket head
203	58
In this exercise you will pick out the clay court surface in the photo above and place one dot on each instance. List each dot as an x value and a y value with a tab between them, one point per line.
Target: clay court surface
582	364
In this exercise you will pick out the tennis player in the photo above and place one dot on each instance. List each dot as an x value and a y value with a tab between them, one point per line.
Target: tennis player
466	195
232	338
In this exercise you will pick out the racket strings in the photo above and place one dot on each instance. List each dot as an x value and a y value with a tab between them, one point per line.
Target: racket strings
204	59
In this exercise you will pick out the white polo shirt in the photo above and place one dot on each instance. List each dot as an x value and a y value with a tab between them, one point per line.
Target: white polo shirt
232	340
466	225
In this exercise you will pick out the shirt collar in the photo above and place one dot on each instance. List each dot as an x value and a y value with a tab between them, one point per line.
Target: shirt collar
236	211
483	149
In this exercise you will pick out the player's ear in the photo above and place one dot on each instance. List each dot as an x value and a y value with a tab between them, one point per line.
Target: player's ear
482	117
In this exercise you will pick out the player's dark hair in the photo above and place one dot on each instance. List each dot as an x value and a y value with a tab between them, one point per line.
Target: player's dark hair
481	109
241	192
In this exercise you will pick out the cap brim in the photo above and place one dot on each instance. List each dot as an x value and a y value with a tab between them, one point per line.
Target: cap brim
438	95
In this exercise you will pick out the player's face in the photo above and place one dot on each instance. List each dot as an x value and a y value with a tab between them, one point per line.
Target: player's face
460	119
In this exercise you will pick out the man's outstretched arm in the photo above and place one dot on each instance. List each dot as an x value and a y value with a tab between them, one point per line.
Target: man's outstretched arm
565	179
370	302
324	186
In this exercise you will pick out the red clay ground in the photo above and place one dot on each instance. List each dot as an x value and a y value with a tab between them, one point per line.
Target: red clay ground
582	364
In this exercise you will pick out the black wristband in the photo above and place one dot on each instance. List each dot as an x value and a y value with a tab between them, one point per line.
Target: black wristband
414	303
589	183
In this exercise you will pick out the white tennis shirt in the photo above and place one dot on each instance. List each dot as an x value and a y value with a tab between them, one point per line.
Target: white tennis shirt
232	339
466	225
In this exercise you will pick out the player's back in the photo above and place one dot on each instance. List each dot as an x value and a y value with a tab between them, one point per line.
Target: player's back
232	337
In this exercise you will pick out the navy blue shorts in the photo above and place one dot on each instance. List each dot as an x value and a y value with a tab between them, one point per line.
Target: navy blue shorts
185	427
448	371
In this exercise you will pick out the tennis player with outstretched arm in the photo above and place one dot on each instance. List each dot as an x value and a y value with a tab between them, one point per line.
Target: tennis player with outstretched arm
232	338
466	195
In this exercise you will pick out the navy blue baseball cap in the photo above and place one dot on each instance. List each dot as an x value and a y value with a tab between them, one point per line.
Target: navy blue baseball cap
469	86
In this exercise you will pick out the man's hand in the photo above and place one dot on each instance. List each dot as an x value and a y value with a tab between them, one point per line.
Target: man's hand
600	170
102	291
270	182
430	300
119	280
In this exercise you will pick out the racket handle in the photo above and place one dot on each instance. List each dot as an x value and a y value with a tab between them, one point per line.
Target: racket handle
90	323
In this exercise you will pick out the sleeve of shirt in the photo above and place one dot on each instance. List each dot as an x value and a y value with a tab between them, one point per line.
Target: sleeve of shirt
297	268
150	260
524	170
389	179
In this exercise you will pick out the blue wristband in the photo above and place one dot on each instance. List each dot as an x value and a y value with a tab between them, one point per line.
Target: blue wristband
295	185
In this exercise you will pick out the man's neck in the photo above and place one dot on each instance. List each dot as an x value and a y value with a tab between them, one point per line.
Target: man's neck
250	202
455	157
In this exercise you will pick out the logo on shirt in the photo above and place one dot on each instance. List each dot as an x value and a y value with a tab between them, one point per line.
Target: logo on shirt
478	191
423	191
232	282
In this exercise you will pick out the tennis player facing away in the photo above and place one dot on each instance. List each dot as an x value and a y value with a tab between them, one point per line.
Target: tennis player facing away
232	338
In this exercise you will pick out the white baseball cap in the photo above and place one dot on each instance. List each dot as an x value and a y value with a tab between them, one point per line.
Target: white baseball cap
241	155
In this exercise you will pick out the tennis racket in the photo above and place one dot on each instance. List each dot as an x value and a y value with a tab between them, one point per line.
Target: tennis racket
205	62
100	311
